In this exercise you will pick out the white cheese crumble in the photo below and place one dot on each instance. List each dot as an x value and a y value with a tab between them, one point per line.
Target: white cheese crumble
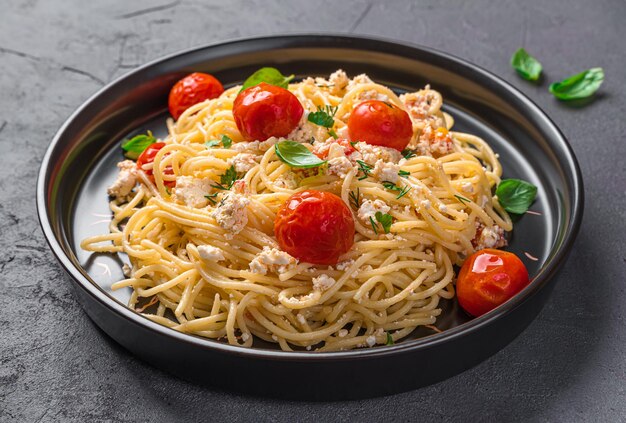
370	154
287	180
323	282
126	180
344	264
210	253
342	333
273	260
338	81
371	341
191	191
489	237
425	204
231	213
467	187
443	208
386	171
243	162
340	166
369	208
245	336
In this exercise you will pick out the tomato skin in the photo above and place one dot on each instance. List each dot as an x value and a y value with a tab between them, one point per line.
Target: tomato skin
315	226
148	157
378	123
265	111
489	278
193	89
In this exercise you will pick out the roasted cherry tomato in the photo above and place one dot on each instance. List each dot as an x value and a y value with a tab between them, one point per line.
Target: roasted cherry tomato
265	110
347	148
148	157
380	123
488	278
193	89
315	227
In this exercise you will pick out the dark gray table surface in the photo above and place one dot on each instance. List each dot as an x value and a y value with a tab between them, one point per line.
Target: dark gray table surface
55	365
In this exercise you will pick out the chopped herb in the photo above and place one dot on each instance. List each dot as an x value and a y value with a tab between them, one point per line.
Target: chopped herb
227	179
365	168
389	339
462	199
137	144
332	133
526	65
211	197
355	198
353	143
312	140
324	116
373	224
168	191
404	173
578	86
391	186
403	192
385	220
226	141
407	154
270	76
297	155
515	195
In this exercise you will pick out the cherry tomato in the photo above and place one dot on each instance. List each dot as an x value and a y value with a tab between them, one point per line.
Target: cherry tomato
265	110
380	123
193	89
315	227
488	278
347	148
148	157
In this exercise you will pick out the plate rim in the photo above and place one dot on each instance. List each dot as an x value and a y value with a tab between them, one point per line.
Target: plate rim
545	275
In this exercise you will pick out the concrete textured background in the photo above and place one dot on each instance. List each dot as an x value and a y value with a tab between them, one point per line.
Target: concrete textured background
55	365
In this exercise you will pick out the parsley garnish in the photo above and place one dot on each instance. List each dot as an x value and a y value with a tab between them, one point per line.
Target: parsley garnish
211	197
393	187
462	199
407	154
354	198
226	141
365	168
385	220
389	339
227	179
324	116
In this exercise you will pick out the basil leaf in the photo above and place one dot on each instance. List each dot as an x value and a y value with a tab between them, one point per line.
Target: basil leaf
515	195
226	141
137	144
526	66
297	155
269	76
578	86
385	220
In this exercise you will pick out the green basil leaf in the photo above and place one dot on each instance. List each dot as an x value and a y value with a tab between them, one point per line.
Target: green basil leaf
226	141
137	144
515	195
526	66
297	155
578	86
269	76
385	220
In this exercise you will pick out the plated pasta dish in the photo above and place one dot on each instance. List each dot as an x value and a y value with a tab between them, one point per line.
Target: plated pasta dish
324	214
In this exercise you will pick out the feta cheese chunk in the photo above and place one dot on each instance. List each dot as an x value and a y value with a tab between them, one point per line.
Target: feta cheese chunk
126	180
191	191
231	213
210	253
488	237
369	208
272	260
386	171
338	81
323	282
370	154
340	166
243	162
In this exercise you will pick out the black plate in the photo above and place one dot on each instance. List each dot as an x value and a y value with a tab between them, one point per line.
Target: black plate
80	164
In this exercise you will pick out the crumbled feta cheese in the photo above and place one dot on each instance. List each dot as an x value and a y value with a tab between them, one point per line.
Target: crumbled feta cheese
304	132
370	154
126	270
488	237
273	260
372	95
344	264
245	336
359	79
338	81
231	213
301	318
467	187
435	142
340	166
323	282
371	341
484	200
275	338
287	180
244	146
386	171
342	333
369	208
210	253
425	204
443	208
191	191
243	162
126	180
